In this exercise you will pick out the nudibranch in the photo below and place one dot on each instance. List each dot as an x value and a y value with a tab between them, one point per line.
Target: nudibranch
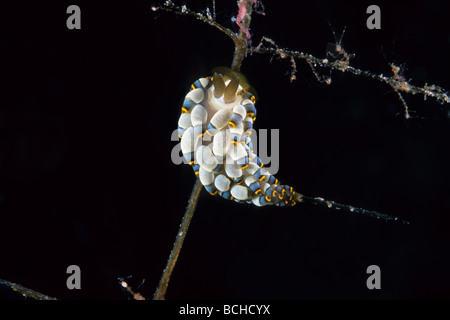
215	128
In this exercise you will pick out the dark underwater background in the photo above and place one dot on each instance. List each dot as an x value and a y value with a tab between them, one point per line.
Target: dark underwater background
86	176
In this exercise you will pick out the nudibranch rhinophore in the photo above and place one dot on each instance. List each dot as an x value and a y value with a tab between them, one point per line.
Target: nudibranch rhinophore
215	128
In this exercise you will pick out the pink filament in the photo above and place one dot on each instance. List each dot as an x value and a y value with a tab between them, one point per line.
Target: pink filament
241	15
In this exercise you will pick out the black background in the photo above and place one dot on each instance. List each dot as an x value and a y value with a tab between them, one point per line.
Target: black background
86	176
